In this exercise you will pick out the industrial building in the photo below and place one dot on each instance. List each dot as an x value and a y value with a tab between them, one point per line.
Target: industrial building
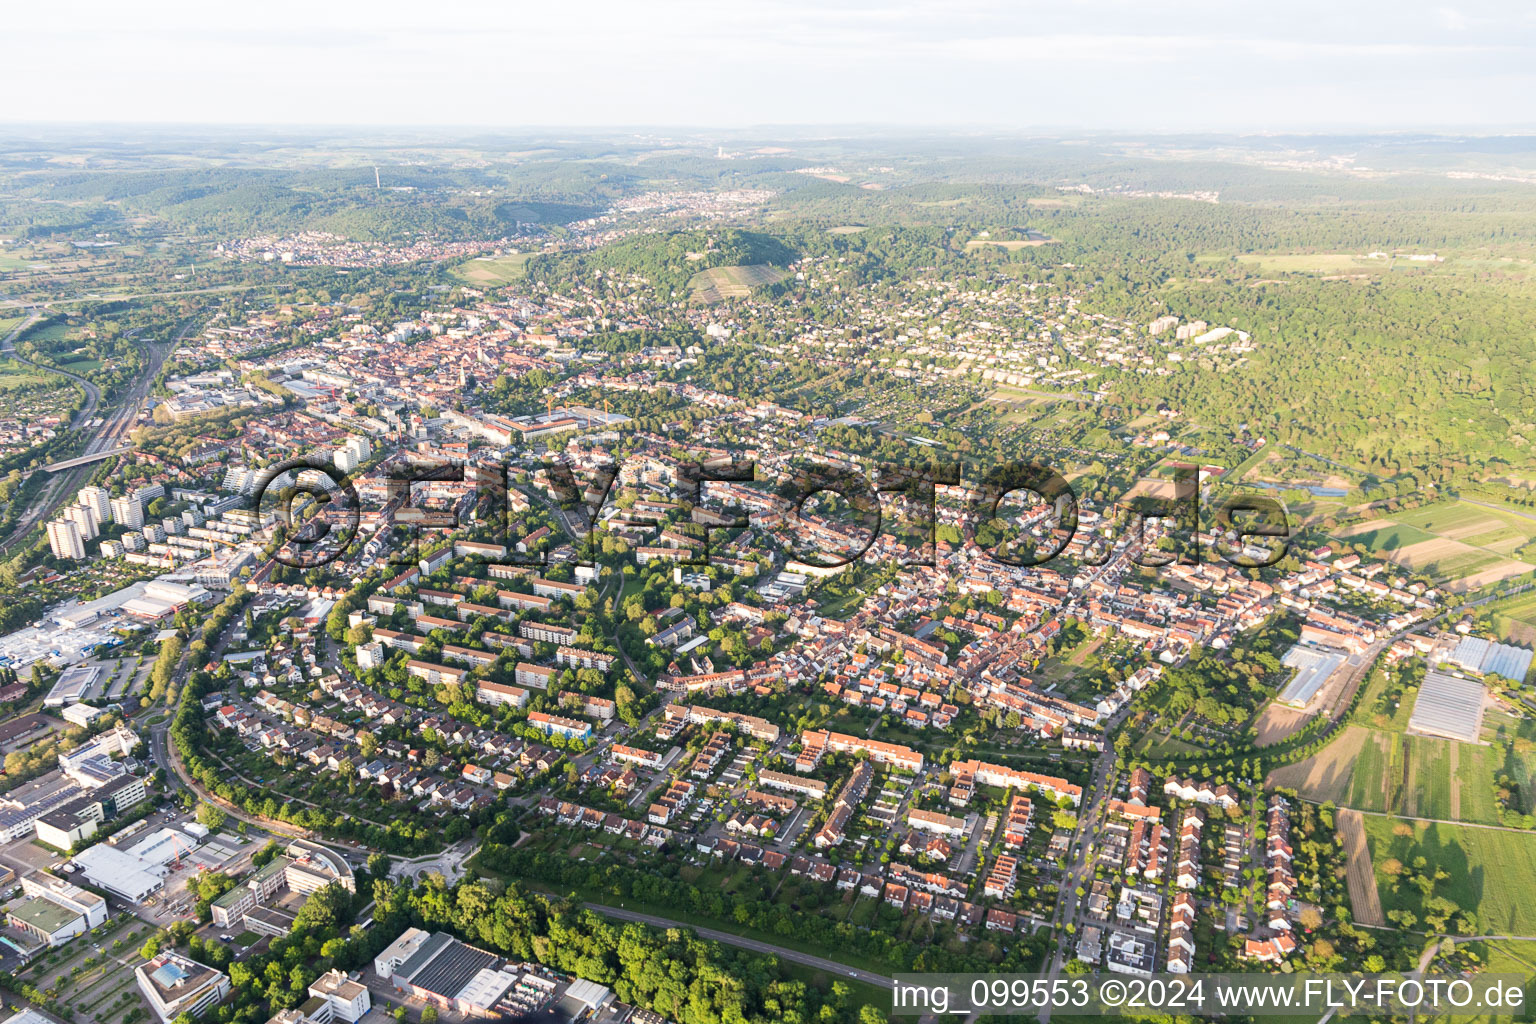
74	684
121	872
1313	666
446	973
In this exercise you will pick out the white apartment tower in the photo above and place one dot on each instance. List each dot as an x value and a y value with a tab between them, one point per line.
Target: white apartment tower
84	516
98	498
129	511
64	538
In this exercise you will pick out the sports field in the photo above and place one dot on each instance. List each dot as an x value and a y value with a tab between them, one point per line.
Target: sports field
1009	244
1491	872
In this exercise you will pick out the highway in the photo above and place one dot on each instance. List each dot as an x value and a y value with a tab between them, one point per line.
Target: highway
753	945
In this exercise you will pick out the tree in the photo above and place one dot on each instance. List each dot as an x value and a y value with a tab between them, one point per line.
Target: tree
429	1014
211	817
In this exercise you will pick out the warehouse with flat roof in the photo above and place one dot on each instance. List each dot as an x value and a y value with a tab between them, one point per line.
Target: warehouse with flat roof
1313	666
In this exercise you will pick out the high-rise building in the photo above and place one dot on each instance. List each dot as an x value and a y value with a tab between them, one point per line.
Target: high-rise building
84	516
240	479
98	498
64	538
128	511
345	459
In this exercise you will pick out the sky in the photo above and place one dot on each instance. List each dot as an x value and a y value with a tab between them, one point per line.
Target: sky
1140	65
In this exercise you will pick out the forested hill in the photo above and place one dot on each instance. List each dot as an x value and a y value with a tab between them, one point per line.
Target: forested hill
667	260
226	203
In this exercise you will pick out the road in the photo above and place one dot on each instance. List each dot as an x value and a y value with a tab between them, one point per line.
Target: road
63	486
449	863
1096	796
753	945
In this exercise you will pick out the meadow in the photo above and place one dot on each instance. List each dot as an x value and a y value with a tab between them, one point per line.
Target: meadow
1490	872
16	376
491	271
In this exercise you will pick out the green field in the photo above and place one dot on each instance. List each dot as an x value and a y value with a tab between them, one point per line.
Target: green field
1376	775
1491	872
1454	515
492	271
1382	771
16	376
1515	619
1504	956
1390	537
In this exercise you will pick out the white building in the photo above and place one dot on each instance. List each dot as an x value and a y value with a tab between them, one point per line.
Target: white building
120	873
99	499
84	516
128	511
174	985
399	951
54	910
345	999
65	540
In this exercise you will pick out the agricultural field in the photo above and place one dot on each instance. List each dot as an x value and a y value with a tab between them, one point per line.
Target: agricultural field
1469	545
1326	775
1491	872
1515	619
11	261
1384	772
1383	537
719	283
491	271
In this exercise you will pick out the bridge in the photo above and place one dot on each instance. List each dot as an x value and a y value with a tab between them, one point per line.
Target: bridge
83	460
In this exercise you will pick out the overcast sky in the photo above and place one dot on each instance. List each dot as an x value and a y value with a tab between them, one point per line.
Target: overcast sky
1143	65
